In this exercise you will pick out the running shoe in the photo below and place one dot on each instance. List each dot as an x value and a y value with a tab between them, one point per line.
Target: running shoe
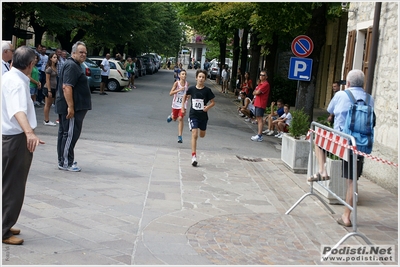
169	119
257	138
180	139
190	125
270	133
49	123
194	161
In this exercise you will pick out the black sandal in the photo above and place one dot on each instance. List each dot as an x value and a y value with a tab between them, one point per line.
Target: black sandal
316	177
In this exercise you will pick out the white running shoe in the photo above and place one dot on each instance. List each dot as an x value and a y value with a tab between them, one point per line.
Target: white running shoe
270	133
257	138
277	134
247	120
265	131
49	123
280	136
194	161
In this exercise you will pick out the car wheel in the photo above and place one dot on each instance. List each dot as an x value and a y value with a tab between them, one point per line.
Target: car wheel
113	85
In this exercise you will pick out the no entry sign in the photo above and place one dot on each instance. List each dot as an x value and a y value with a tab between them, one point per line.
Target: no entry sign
302	46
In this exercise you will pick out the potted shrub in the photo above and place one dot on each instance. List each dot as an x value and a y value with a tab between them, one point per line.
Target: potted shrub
295	149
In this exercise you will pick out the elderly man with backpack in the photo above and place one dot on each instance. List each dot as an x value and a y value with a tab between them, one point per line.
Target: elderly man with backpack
354	114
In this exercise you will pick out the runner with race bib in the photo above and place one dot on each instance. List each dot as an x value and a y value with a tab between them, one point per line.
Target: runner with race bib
202	100
178	90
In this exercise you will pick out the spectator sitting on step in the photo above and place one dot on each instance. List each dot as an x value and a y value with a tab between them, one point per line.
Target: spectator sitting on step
273	116
248	108
283	122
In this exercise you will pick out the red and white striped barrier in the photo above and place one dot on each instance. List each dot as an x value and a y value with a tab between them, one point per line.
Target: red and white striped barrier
338	145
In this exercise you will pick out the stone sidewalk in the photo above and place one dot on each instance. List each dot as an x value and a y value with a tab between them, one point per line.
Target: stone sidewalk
141	205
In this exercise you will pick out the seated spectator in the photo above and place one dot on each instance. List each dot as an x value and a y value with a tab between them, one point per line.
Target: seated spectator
283	122
273	116
248	108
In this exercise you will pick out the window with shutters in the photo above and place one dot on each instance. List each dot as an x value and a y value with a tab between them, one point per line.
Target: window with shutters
357	51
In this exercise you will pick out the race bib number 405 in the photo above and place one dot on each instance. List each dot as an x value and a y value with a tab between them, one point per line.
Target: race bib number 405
198	104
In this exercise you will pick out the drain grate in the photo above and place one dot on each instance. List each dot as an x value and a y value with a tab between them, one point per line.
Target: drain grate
250	159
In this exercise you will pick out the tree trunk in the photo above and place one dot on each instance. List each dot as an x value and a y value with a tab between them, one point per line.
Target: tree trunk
8	20
39	30
222	54
245	51
255	49
65	40
271	59
236	54
317	32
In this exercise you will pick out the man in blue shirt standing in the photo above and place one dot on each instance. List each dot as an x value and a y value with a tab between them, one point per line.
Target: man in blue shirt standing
339	107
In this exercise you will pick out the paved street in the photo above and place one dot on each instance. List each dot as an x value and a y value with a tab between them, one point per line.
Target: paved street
138	201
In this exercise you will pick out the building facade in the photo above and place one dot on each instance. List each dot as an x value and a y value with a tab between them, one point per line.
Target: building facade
384	87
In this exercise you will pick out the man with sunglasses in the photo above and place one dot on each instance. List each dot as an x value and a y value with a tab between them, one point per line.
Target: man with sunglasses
261	94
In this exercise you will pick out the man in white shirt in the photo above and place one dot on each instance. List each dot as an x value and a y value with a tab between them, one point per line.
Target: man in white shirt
8	50
18	121
105	72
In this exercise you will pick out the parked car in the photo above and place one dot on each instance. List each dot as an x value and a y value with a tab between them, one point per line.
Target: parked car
157	58
156	61
214	70
150	66
118	77
141	67
196	65
93	73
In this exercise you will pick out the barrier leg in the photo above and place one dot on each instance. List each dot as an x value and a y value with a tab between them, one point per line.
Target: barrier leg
306	195
345	238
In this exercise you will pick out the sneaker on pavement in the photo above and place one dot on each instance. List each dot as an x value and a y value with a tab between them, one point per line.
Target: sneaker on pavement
270	133
265	131
180	139
257	138
169	119
247	120
66	168
194	161
49	123
277	134
74	168
280	136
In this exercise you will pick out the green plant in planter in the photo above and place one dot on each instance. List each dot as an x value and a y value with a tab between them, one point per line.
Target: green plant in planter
300	124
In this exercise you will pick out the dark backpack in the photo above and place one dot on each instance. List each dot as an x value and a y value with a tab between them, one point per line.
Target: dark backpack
360	122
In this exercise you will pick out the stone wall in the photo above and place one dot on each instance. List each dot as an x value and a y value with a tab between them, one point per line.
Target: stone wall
384	90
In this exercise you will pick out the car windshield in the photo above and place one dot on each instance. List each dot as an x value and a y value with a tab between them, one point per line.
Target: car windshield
90	63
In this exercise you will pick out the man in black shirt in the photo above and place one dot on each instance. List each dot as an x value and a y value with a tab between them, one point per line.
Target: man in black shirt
73	100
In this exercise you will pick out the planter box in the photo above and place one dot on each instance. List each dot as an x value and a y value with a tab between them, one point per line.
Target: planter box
295	153
336	184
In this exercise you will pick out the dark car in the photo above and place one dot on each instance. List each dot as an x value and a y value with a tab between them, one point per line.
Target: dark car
150	66
141	67
92	72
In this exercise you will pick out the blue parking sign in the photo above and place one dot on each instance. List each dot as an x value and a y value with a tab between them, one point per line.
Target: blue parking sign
300	69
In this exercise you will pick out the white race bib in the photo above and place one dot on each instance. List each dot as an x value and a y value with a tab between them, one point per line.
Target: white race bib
198	104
